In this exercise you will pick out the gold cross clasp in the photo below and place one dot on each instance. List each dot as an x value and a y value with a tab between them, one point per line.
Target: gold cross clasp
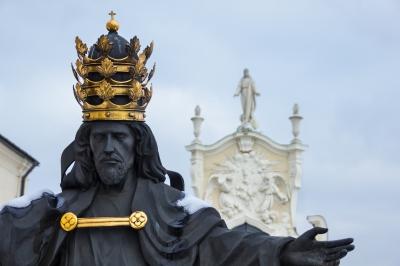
69	221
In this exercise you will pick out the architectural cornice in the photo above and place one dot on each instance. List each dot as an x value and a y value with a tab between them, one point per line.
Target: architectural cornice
9	144
253	134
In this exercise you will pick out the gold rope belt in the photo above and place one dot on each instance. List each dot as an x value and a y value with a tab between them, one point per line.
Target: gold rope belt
69	221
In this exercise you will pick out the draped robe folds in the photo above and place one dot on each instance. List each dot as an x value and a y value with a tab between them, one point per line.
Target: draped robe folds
172	236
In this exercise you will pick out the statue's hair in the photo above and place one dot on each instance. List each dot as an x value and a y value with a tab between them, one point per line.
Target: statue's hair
147	163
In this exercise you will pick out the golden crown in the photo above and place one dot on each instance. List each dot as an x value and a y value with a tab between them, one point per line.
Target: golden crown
112	77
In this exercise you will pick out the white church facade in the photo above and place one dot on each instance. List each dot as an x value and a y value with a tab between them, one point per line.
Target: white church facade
15	166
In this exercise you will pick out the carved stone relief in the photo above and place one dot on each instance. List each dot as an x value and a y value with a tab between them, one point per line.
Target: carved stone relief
247	185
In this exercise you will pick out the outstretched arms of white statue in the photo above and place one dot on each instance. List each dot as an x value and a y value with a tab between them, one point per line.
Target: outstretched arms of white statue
306	251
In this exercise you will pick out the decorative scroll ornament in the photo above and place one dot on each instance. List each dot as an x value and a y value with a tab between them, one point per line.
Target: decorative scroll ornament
148	51
114	67
134	47
81	68
136	91
81	47
107	69
105	91
81	94
148	93
139	71
152	72
104	44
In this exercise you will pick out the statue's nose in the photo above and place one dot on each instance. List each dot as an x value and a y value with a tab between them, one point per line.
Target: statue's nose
109	146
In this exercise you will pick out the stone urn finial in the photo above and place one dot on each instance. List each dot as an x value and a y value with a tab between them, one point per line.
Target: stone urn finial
295	119
197	121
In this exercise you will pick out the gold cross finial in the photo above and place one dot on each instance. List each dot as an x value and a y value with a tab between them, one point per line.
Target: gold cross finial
112	24
112	14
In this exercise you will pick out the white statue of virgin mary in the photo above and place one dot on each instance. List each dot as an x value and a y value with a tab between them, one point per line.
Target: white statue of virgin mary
248	93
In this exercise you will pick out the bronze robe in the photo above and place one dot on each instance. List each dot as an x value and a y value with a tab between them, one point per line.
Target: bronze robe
32	235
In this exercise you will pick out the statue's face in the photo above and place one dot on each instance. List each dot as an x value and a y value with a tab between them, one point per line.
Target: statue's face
112	146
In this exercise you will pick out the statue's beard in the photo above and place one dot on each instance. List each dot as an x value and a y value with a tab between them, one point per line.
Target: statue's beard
112	174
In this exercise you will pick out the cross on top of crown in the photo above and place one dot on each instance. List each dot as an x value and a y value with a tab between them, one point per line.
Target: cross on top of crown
112	14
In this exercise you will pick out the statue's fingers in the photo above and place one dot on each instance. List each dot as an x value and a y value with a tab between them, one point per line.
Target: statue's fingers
337	243
336	256
337	249
313	232
350	248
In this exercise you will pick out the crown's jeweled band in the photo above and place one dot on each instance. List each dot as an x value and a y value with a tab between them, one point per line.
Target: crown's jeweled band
69	221
116	115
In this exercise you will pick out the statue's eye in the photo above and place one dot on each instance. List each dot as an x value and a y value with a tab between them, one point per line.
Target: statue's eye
98	137
120	136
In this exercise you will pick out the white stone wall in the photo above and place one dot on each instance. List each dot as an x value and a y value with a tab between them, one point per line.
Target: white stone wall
12	168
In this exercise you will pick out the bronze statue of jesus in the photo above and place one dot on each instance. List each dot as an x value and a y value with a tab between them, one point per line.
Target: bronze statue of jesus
115	207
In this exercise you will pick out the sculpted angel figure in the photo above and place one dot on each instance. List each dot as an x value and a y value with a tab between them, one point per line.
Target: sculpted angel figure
229	206
248	92
270	190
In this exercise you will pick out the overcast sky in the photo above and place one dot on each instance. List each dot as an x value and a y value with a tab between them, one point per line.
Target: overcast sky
340	60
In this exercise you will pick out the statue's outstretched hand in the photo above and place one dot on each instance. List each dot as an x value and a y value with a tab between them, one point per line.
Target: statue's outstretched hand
306	251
